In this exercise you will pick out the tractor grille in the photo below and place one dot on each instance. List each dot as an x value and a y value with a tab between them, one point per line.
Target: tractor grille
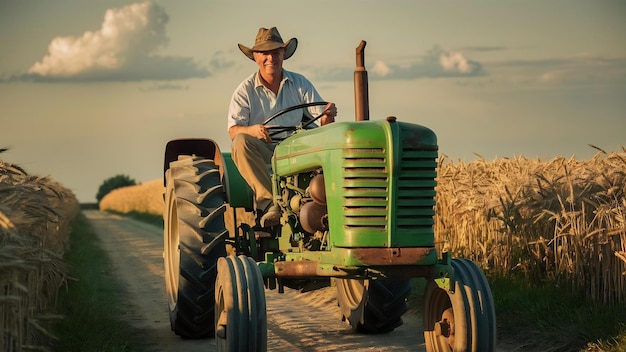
367	185
366	188
416	190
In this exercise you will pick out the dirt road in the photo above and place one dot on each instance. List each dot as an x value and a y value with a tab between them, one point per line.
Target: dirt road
296	321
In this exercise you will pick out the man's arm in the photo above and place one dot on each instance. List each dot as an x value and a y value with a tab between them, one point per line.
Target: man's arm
258	131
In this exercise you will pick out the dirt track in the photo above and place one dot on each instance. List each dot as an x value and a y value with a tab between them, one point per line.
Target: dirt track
296	321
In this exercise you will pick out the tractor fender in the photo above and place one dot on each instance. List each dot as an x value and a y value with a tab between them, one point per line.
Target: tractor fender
238	193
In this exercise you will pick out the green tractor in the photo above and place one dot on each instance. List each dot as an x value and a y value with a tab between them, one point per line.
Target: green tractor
357	209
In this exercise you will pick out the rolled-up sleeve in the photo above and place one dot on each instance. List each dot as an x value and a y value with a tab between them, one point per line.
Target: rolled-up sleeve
239	109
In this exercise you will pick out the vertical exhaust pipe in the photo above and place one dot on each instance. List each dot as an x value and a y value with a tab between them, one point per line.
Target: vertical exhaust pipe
361	99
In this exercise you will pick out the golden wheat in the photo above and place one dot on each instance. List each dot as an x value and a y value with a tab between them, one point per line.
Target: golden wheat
562	220
146	198
35	220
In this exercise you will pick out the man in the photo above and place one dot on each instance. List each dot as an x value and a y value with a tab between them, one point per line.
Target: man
262	94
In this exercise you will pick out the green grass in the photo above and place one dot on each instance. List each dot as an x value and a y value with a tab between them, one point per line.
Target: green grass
550	318
91	300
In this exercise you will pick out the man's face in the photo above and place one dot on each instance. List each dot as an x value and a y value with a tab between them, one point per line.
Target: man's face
270	62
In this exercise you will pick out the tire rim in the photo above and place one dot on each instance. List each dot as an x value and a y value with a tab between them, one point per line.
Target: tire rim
172	252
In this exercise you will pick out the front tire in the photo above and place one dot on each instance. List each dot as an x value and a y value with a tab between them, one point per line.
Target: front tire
194	239
463	320
240	311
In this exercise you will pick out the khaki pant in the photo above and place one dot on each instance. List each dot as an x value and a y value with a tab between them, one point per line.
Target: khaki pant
252	157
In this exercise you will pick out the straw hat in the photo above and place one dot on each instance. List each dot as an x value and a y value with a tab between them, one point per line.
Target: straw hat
267	40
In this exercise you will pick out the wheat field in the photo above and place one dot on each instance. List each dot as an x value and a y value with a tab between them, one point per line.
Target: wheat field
561	221
146	198
35	222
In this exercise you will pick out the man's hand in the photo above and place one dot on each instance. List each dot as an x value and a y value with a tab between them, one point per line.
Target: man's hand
259	131
330	111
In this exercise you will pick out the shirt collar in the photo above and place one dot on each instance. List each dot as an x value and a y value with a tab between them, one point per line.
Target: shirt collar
257	79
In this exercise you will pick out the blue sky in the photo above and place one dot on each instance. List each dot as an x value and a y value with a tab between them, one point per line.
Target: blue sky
92	89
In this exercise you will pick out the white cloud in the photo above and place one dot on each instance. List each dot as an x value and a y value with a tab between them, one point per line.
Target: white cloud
122	49
435	63
551	76
454	61
381	68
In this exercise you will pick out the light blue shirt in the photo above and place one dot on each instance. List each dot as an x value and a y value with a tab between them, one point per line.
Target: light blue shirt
252	102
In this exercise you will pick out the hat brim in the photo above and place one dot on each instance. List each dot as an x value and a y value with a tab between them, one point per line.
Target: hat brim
290	48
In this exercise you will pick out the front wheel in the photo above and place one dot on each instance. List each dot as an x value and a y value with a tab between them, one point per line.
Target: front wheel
463	320
240	315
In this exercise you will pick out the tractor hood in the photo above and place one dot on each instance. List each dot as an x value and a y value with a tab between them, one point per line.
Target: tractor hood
379	179
304	150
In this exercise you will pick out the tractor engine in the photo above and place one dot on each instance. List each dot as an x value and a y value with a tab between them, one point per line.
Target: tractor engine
304	196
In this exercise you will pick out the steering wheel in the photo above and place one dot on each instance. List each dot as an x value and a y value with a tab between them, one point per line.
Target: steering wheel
279	129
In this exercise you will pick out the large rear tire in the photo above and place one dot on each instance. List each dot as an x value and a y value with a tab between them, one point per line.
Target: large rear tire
463	320
194	239
373	306
240	306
